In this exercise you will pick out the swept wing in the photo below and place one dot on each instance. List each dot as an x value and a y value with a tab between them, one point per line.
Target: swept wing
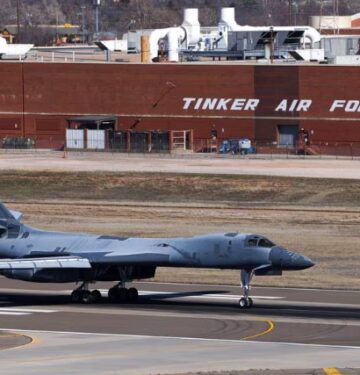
47	262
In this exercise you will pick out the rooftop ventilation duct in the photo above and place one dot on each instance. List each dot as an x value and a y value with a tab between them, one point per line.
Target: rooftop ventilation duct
188	32
227	19
191	25
228	23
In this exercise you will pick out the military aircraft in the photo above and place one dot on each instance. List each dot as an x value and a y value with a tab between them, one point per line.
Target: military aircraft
56	257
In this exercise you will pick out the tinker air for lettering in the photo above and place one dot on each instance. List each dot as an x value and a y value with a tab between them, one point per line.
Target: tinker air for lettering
220	104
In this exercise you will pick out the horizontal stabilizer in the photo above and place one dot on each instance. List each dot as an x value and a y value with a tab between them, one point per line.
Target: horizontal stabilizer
51	262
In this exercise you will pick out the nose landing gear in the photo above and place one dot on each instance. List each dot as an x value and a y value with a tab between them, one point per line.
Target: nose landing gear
246	301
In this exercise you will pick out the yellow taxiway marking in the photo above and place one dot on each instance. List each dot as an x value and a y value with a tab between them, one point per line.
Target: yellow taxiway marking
33	340
270	328
332	371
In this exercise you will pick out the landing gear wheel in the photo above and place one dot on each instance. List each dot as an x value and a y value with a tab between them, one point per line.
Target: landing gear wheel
76	296
250	302
118	294
243	303
133	295
96	296
122	295
112	294
86	297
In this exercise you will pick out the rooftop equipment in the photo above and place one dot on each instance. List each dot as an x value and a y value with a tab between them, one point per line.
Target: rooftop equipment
230	39
13	51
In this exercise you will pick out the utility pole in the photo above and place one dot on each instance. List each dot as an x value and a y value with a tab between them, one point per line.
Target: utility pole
290	12
321	15
83	8
336	15
18	20
97	4
57	25
272	45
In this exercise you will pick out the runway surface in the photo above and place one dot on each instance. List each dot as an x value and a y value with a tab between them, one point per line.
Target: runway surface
177	327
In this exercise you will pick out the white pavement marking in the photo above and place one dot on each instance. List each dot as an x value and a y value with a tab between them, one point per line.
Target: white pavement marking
205	296
23	311
17	309
188	295
13	313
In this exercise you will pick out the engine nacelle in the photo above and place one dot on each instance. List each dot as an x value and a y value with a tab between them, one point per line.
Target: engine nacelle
47	275
69	275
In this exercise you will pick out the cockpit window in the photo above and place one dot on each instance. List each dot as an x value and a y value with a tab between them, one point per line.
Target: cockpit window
264	242
252	242
259	241
13	230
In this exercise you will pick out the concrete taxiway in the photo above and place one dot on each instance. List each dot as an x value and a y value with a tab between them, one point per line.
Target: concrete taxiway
179	328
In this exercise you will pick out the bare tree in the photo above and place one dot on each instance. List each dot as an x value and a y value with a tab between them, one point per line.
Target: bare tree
118	15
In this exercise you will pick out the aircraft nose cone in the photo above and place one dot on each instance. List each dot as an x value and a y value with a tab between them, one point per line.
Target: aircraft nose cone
304	262
288	260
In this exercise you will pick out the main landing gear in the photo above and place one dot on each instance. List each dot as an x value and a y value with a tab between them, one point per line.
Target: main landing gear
246	301
119	293
84	295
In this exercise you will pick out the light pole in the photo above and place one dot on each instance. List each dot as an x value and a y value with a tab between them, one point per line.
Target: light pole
83	7
18	20
272	44
97	4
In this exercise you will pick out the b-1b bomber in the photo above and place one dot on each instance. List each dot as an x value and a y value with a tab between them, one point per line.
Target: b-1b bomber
43	256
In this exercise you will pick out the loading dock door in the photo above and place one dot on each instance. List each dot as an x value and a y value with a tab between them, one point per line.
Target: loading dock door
288	135
75	138
96	139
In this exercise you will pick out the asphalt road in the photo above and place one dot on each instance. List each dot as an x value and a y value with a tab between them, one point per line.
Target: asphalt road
286	328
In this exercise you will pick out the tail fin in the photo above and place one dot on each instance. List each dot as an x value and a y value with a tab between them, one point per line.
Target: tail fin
6	214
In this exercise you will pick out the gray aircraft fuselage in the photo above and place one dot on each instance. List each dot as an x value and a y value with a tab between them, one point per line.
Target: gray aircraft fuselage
222	250
42	256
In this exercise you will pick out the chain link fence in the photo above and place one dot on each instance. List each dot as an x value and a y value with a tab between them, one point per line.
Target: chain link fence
272	149
18	143
160	142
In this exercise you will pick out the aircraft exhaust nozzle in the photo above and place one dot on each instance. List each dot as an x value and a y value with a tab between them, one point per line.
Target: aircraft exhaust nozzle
288	260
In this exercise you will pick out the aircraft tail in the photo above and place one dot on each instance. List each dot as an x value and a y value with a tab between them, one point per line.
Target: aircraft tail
6	214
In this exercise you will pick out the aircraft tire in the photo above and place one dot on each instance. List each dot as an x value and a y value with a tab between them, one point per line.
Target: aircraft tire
133	295
96	296
112	294
250	302
86	297
243	303
76	296
122	295
118	294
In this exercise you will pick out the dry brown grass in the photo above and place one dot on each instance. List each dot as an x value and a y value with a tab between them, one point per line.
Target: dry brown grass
184	188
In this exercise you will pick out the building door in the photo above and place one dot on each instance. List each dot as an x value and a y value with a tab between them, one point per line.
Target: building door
288	135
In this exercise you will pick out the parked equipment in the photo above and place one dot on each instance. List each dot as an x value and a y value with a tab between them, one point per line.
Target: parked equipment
237	146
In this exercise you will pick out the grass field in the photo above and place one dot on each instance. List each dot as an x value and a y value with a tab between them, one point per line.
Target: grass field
185	188
317	217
